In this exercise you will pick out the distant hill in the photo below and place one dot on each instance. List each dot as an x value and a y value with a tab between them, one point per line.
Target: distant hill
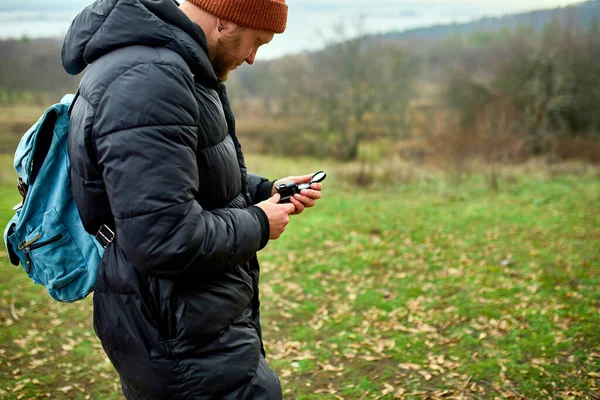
581	15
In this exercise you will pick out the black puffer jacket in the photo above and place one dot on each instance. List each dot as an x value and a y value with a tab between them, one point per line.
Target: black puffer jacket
154	155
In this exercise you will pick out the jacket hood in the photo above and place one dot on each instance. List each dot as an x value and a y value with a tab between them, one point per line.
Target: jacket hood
107	25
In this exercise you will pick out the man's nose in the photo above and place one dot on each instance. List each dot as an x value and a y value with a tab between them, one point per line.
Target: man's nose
251	57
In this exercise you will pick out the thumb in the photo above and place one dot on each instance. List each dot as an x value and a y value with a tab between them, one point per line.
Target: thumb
275	198
303	178
290	208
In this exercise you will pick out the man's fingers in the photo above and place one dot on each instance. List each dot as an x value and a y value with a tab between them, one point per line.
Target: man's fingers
313	194
298	204
316	186
306	201
275	198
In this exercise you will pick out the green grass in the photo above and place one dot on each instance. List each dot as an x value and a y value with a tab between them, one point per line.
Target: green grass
416	291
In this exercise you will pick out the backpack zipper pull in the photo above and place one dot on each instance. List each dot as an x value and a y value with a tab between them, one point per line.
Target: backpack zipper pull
24	244
28	261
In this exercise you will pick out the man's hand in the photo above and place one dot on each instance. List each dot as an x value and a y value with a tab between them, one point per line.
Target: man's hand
278	214
307	197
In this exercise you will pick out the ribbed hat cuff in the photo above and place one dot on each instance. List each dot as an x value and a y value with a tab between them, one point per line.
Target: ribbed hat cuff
264	15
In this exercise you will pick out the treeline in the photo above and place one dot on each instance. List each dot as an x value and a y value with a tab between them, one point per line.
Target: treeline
525	94
500	97
30	72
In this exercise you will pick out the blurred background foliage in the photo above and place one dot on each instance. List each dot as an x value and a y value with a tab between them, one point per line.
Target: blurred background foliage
498	91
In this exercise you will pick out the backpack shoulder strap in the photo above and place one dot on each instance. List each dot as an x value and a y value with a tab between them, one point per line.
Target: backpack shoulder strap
105	234
73	102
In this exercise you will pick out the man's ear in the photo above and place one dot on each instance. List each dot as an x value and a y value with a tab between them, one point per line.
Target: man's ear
223	24
228	26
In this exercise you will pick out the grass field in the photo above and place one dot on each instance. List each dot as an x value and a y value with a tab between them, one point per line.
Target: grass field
14	121
418	291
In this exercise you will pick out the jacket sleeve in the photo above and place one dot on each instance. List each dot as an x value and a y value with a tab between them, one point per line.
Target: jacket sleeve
146	135
259	188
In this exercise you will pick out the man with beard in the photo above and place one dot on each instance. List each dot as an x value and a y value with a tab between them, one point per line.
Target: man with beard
157	169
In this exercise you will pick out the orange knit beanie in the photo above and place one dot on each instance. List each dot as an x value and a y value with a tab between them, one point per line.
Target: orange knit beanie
264	15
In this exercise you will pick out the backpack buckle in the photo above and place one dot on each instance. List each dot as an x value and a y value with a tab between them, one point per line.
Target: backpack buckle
23	188
105	236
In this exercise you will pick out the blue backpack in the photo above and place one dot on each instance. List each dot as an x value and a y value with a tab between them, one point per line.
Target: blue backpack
46	234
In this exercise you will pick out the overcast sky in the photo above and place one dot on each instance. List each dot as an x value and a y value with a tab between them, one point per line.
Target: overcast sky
503	4
310	19
497	5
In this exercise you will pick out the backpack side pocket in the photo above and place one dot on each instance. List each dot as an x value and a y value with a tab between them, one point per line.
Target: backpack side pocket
54	256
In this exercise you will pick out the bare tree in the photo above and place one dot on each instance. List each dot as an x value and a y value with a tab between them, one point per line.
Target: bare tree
359	83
